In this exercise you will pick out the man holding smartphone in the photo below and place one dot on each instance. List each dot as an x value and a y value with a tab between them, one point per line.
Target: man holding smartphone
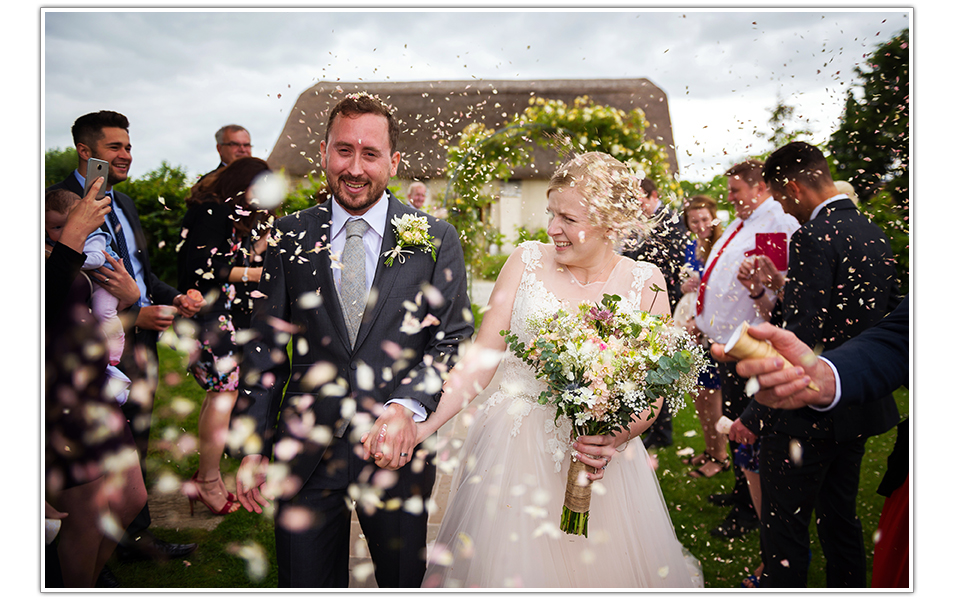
104	135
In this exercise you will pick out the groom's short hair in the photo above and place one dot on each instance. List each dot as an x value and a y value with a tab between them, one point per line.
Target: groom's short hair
363	103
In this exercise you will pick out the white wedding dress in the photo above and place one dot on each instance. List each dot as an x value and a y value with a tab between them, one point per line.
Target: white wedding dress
502	526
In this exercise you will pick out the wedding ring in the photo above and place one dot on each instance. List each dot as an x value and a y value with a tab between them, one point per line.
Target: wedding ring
106	280
605	461
404	455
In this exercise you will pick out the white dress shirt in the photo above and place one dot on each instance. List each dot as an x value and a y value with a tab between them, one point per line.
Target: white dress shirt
727	303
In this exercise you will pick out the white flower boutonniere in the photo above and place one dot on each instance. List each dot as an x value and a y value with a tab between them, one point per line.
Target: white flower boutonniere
410	230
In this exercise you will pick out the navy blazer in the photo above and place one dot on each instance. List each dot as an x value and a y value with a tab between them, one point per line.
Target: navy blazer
842	279
875	363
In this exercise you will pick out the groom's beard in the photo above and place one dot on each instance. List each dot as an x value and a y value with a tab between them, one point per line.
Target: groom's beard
360	203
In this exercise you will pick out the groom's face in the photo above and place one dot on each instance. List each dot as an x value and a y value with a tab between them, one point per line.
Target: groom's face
358	161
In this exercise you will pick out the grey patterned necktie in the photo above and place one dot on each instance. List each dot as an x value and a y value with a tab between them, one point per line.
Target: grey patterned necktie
354	288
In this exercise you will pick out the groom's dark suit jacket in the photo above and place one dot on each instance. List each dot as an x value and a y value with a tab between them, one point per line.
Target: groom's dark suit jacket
326	380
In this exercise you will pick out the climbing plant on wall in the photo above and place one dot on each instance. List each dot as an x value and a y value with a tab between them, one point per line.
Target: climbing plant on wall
483	155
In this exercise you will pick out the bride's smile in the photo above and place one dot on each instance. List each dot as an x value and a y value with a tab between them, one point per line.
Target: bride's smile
579	244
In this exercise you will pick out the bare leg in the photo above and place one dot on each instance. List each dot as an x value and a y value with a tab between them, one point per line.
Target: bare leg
80	534
126	495
709	407
213	432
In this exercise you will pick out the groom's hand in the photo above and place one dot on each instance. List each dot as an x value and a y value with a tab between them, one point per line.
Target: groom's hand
249	481
392	438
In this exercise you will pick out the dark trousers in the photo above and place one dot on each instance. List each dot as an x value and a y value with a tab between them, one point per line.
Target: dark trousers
141	364
734	402
824	479
315	554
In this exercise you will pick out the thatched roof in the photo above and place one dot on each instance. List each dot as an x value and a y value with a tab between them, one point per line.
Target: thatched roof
431	111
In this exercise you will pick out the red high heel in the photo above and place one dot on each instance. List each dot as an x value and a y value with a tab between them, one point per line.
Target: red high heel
191	491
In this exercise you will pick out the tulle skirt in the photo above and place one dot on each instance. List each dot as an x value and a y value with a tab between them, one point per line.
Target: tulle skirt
502	525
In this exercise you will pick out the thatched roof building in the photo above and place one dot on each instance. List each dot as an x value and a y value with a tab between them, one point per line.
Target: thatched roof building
435	111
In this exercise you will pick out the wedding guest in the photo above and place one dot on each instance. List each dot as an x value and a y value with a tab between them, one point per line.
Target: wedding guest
417	194
223	234
724	303
699	215
105	135
91	467
232	142
369	336
846	188
834	256
664	247
864	368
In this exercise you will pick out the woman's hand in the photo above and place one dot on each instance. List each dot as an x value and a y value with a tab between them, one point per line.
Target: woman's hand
691	284
596	451
85	217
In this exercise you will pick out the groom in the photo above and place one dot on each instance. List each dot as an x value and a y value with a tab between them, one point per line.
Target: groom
369	342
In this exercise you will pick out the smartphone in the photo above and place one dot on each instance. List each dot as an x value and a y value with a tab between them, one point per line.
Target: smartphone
96	168
773	245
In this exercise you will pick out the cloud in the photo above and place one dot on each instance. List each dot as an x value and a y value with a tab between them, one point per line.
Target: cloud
179	75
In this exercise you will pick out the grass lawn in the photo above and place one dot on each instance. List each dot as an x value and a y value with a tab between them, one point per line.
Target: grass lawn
240	552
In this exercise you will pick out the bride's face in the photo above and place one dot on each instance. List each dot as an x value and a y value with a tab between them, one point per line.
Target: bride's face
577	241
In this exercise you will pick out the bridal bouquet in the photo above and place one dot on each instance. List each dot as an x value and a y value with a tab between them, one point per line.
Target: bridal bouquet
605	365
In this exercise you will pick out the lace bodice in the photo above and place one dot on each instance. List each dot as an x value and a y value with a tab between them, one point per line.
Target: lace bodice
518	383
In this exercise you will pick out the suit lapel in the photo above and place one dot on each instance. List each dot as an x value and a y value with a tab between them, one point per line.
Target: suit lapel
319	234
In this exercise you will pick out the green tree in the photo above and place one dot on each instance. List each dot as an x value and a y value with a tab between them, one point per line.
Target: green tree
871	146
160	196
58	165
870	149
780	118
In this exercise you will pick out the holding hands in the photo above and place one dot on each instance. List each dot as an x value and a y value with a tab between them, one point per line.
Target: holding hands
392	438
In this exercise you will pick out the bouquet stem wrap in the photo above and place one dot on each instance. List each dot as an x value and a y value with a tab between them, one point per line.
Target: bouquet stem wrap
576	501
605	366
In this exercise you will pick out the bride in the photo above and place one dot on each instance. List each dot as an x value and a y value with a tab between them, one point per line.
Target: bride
502	525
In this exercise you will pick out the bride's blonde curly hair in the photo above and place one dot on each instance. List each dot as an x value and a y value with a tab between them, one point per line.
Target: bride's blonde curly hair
610	191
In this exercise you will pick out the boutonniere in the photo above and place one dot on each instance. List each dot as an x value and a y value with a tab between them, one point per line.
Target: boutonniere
410	230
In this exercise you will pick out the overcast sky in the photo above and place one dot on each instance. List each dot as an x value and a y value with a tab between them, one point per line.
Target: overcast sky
179	75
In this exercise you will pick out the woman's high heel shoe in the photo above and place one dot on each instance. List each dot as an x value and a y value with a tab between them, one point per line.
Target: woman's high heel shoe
191	491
